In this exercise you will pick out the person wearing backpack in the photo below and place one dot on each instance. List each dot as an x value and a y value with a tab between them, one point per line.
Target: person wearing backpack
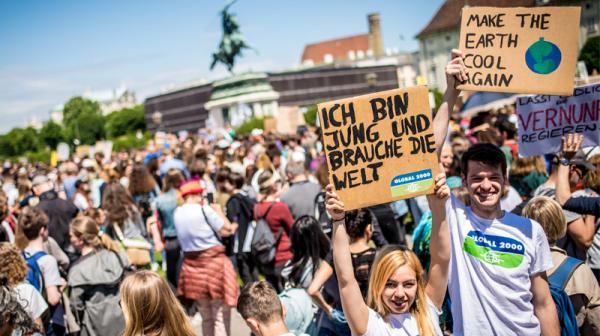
13	273
568	274
207	276
279	219
94	280
43	271
239	209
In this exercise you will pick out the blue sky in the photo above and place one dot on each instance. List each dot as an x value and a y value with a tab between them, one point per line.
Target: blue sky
53	50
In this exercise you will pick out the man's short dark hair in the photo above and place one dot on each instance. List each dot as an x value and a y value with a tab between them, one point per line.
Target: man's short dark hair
485	153
236	180
272	151
260	301
31	221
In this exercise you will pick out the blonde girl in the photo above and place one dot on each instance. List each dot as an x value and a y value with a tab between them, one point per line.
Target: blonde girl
151	309
399	301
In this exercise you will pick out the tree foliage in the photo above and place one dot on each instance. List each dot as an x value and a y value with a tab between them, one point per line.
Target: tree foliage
19	141
78	106
590	54
310	116
125	121
83	120
250	124
51	134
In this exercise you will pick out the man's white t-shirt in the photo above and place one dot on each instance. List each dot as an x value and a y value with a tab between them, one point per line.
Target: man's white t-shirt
31	300
193	232
400	324
81	202
49	268
490	269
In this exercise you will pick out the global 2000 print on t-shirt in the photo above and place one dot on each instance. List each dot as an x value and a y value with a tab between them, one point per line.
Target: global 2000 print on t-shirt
490	271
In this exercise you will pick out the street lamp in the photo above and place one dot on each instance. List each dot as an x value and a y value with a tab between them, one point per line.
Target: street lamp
157	119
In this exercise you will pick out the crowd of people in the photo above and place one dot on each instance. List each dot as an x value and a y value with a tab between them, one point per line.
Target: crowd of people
135	242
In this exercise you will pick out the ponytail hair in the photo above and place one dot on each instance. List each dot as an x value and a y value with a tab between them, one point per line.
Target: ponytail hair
85	228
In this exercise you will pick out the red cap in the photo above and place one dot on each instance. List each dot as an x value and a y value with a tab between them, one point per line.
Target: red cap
191	187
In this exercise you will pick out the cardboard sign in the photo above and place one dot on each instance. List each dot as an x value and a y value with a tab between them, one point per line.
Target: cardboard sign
288	119
520	50
543	120
380	147
270	125
83	150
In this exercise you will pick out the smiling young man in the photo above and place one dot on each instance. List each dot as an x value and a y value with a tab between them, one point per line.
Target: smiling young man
497	279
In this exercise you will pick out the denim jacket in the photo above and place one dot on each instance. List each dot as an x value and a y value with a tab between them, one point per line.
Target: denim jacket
166	204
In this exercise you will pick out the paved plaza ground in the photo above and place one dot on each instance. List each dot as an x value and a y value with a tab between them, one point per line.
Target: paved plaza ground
238	326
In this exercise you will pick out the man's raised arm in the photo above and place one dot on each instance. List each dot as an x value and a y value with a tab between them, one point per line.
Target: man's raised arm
455	72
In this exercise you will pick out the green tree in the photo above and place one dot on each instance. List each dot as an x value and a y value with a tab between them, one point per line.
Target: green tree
20	140
590	54
78	106
125	121
51	134
88	128
83	120
437	97
6	146
250	124
310	116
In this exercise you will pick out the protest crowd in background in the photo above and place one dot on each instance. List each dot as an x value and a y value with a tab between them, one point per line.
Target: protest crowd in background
136	242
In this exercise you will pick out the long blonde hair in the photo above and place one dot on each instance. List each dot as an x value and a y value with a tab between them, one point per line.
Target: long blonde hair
85	228
387	261
151	309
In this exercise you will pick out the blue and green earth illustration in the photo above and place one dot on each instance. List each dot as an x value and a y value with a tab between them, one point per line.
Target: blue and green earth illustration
543	57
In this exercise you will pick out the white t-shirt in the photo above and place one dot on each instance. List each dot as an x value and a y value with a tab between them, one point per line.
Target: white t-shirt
31	300
80	202
49	267
490	269
192	231
401	324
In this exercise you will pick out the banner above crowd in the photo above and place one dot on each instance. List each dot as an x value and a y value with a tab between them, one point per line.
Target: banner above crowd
380	147
543	120
520	50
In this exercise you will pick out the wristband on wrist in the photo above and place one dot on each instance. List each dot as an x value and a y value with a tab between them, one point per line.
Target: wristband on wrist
564	161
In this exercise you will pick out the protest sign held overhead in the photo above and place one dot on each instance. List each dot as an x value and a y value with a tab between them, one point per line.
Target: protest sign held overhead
520	50
380	147
543	120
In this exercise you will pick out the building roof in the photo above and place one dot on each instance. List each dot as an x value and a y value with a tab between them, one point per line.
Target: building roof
338	48
448	16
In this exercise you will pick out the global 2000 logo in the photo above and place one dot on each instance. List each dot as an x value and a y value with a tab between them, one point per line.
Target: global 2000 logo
543	57
494	250
411	183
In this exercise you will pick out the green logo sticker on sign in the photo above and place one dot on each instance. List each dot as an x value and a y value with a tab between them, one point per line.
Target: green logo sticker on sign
411	183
